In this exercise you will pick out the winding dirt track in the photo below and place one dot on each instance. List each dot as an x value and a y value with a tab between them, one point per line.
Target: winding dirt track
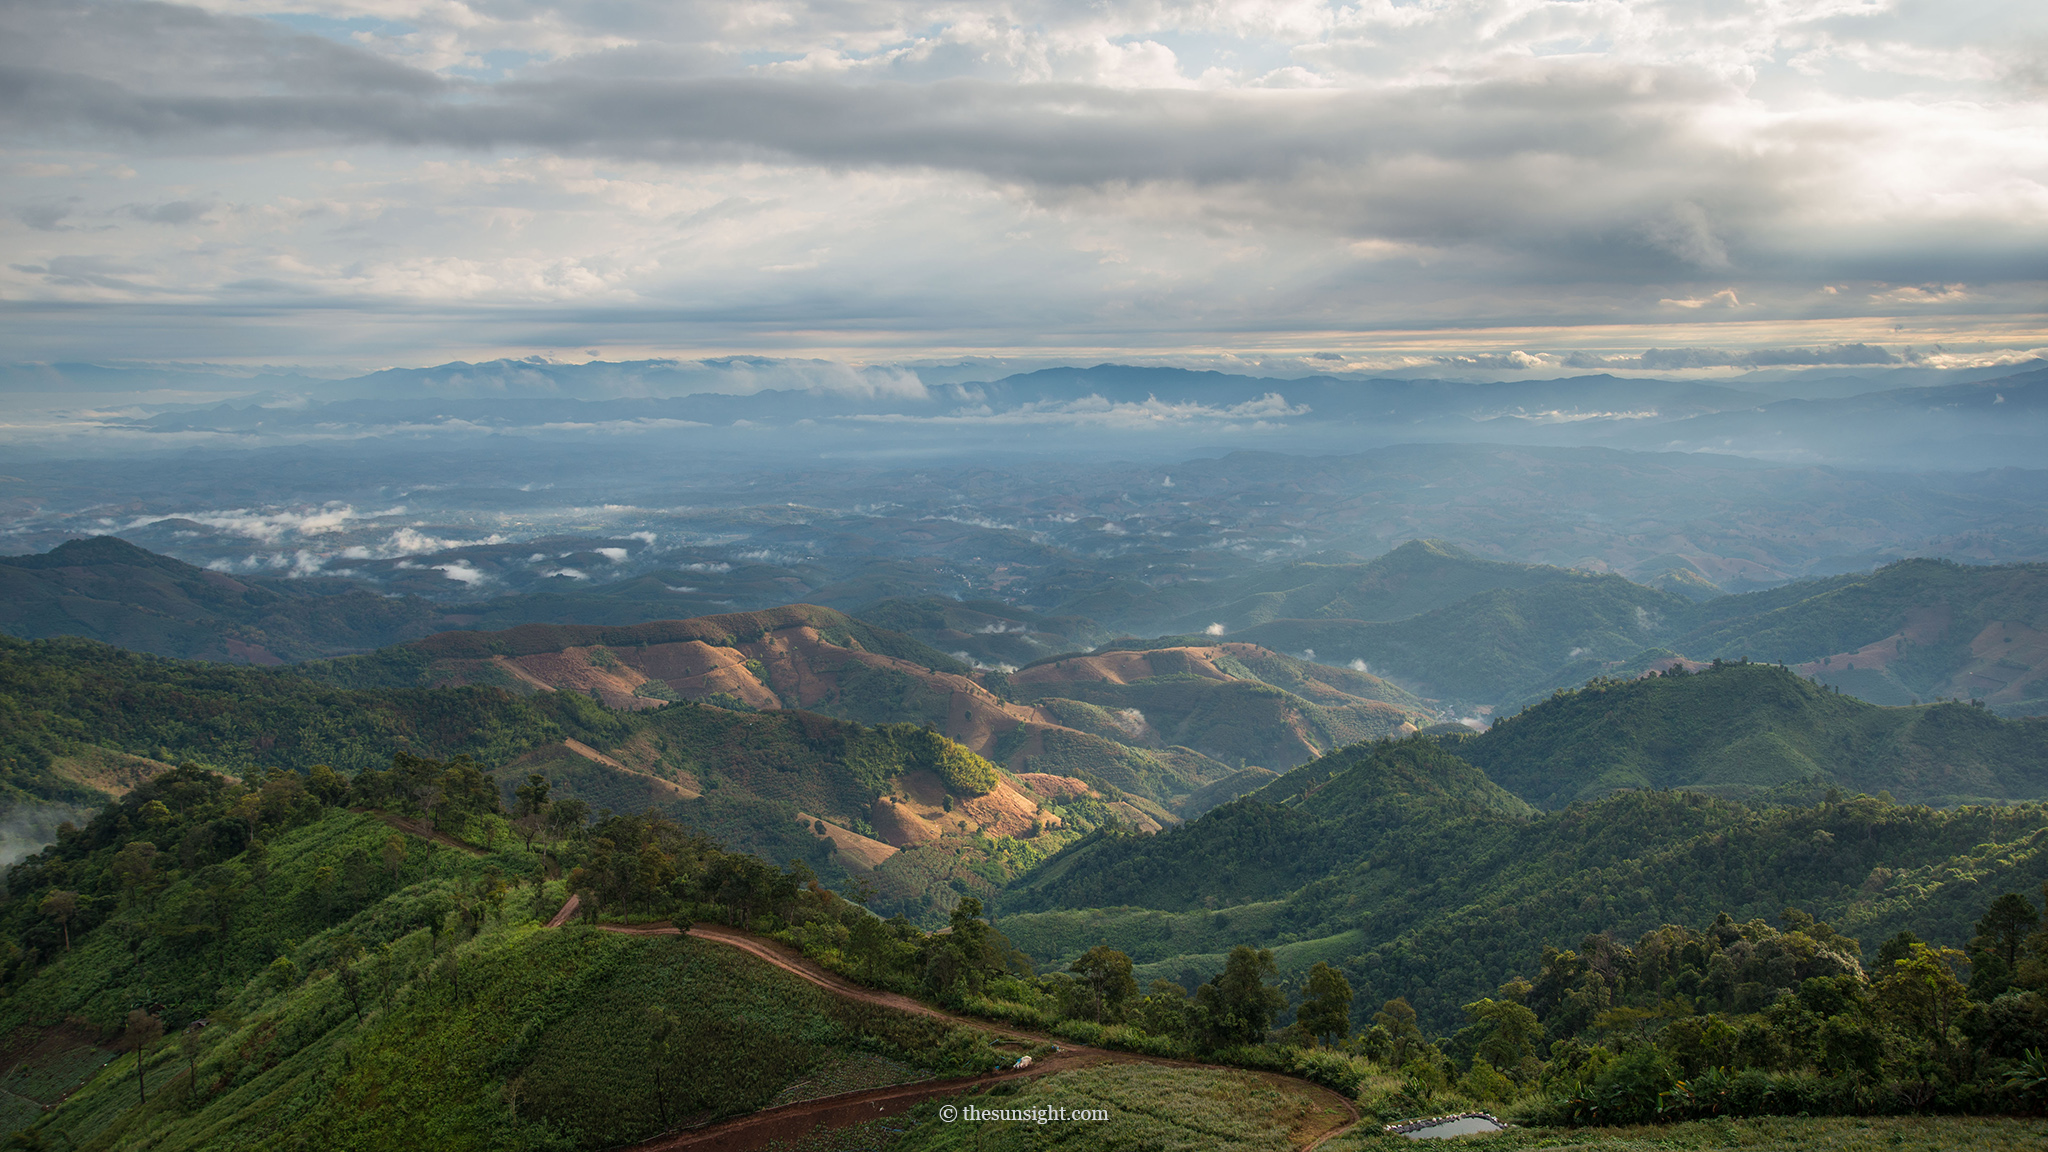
791	1121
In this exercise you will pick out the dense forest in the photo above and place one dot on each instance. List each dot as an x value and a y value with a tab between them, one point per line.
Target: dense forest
1404	865
337	880
303	939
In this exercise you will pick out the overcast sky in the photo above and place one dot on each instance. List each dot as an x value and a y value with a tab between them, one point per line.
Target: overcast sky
407	181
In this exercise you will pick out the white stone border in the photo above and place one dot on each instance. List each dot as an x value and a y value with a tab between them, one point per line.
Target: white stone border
1403	1127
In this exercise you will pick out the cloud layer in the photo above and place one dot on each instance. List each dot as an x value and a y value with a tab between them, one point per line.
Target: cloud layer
354	177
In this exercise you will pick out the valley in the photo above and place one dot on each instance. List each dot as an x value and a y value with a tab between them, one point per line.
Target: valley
1154	776
803	576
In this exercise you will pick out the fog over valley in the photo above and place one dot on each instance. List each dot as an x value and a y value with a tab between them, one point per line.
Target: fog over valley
1274	576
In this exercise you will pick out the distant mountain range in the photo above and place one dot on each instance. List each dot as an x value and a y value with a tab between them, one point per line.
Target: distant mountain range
1975	419
1505	635
1480	637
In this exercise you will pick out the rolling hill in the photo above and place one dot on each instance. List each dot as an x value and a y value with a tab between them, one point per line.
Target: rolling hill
984	632
1500	648
1418	577
1485	635
918	816
1379	854
1232	702
1910	630
1405	867
107	589
1156	725
1745	729
349	982
1917	629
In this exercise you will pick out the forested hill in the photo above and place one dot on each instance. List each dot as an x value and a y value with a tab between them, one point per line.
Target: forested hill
1918	628
1745	729
1317	821
918	817
1411	865
105	588
68	708
1441	901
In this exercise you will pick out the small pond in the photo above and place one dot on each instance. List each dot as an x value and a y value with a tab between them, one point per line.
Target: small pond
1457	1126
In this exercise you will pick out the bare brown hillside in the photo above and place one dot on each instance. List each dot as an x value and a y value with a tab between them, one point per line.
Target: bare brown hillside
818	660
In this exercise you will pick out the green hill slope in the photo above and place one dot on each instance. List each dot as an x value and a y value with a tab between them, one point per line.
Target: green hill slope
1922	629
1310	823
1742	729
365	988
1410	864
1442	908
66	702
83	720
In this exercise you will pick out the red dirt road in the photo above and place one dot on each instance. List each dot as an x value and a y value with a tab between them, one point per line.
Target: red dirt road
791	1121
568	910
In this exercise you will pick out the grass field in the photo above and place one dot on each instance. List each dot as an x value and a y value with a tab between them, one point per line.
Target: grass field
1824	1134
1157	1108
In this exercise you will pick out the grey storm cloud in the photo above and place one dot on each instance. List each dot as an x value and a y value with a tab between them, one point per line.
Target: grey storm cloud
1045	133
174	212
44	217
1551	149
665	176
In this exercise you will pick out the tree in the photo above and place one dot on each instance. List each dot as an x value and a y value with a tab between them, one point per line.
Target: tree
1238	1006
1327	1011
326	785
1895	949
61	906
1922	993
529	814
965	955
1513	1035
144	1030
394	854
2006	924
188	1045
1108	975
461	791
134	866
1165	1010
665	1035
567	817
1396	1018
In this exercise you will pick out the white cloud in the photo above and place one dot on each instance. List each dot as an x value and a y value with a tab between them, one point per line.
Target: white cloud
268	527
412	542
463	572
914	175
